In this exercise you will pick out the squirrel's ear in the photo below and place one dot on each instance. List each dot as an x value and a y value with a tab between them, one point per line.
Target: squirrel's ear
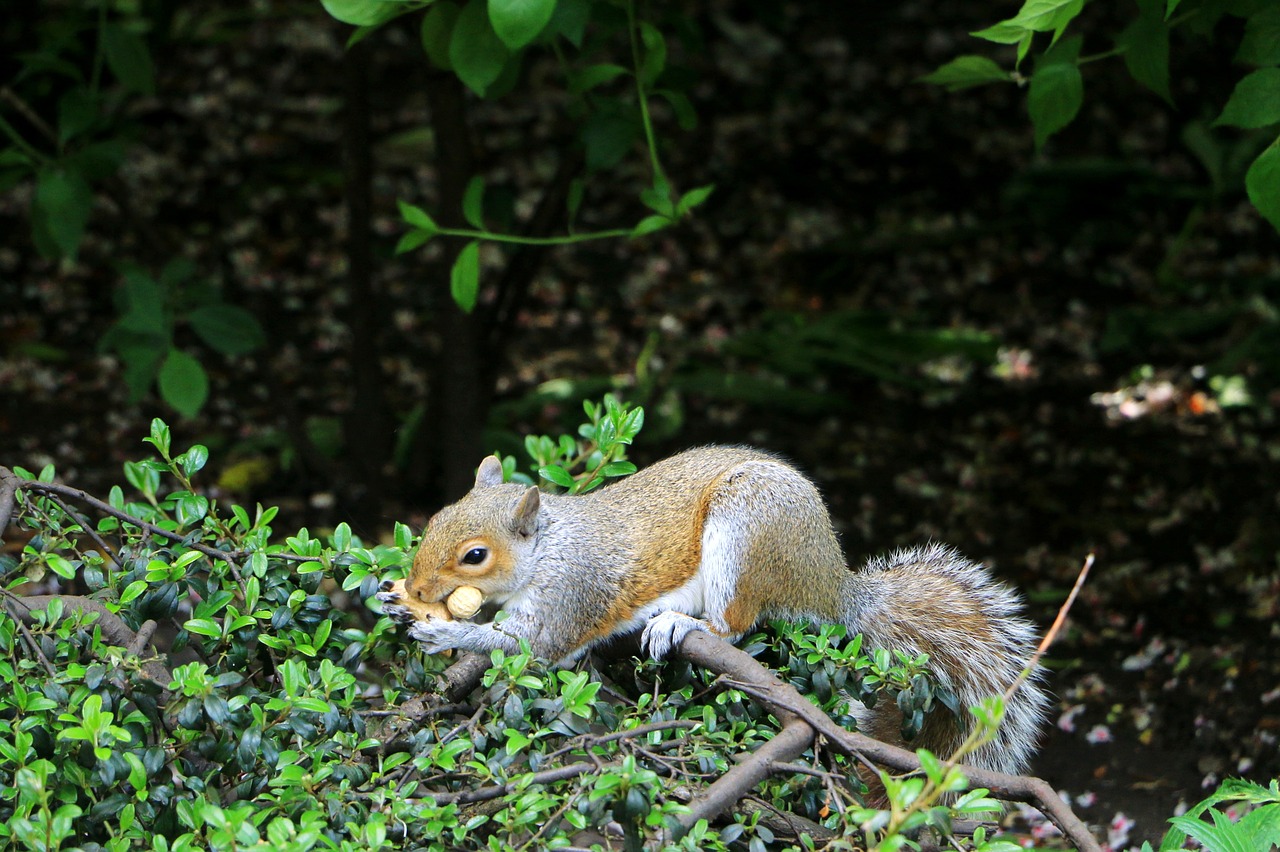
489	473
525	521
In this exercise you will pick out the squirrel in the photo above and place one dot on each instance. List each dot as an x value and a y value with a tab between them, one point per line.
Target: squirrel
718	538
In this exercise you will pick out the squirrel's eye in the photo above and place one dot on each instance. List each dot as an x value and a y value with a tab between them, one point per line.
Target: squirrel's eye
474	556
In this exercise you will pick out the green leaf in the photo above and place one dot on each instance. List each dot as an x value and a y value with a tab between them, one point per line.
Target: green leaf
183	383
128	58
227	329
145	305
418	218
654	61
194	459
473	203
205	627
413	240
1145	44
608	134
1002	33
518	22
475	51
1255	101
555	473
1036	16
132	591
693	198
360	13
1054	98
437	30
63	203
649	224
966	71
1262	182
594	75
77	111
570	20
464	280
686	117
1261	42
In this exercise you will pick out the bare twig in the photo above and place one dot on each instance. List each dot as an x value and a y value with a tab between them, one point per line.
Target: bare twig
1052	632
728	789
87	527
547	776
54	488
751	677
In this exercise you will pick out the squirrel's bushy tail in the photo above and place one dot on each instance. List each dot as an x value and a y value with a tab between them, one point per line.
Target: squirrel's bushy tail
933	600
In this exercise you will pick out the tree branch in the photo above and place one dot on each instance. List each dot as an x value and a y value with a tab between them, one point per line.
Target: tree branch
745	673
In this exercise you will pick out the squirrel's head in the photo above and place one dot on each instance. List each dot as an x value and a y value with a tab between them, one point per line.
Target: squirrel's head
477	541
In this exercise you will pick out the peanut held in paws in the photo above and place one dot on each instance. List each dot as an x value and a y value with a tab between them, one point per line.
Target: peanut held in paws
403	607
464	602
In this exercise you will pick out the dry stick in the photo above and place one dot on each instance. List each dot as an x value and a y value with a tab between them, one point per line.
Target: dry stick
728	789
587	741
750	676
108	509
547	776
84	524
1052	633
459	679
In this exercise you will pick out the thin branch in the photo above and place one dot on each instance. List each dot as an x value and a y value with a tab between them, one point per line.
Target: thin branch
1052	633
727	790
748	675
88	529
53	488
547	776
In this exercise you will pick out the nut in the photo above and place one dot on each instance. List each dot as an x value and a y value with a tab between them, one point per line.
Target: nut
465	601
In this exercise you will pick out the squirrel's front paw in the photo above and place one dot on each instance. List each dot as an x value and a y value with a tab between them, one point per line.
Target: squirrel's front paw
666	630
394	601
435	635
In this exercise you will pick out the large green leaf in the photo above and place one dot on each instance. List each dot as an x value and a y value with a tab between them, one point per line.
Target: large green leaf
1145	43
475	51
473	202
518	22
144	311
1261	42
1035	16
965	71
62	205
129	59
464	280
1056	90
1262	182
1255	101
227	329
360	13
437	30
183	383
77	111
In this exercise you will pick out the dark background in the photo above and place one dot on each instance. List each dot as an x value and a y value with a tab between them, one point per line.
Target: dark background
855	207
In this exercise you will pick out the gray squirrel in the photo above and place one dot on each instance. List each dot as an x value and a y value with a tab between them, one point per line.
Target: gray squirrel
717	539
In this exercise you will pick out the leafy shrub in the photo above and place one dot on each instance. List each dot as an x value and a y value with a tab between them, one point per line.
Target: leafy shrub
196	685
